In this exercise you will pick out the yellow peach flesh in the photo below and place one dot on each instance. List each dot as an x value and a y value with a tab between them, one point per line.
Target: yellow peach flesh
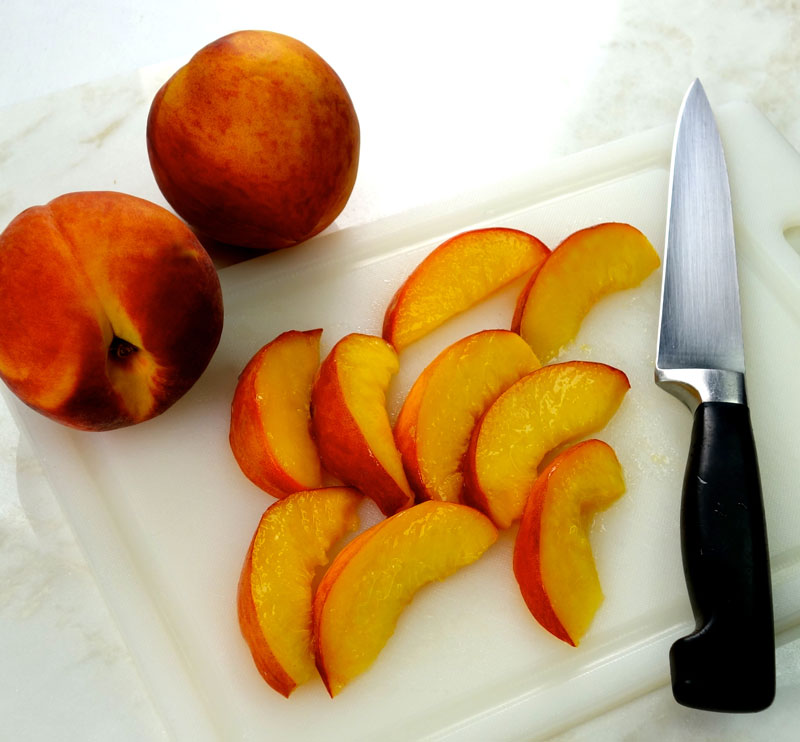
447	400
587	266
484	260
283	390
365	367
373	579
547	408
587	479
291	542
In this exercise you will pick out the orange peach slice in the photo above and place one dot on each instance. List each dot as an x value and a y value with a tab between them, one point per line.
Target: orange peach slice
456	275
371	581
553	560
270	432
585	267
447	399
274	602
351	425
551	406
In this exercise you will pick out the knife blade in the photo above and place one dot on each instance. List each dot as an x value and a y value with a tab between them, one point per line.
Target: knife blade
728	662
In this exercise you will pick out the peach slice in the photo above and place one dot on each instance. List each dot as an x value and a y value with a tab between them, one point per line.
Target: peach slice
350	423
447	399
483	260
585	267
553	560
551	406
270	432
274	599
371	581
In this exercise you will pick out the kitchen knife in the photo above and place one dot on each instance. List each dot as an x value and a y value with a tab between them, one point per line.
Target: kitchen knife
728	663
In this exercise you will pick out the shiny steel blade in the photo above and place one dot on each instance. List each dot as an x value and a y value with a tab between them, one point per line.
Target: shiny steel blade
700	324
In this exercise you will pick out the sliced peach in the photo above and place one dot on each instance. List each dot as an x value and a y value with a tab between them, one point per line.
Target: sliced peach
447	399
274	602
270	432
585	267
551	406
456	275
371	581
553	560
350	422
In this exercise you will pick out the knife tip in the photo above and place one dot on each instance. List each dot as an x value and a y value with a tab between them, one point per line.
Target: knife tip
695	95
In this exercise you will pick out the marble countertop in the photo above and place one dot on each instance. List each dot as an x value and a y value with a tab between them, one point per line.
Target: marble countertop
450	96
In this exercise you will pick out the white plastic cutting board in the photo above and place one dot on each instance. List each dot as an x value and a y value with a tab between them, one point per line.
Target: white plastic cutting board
165	516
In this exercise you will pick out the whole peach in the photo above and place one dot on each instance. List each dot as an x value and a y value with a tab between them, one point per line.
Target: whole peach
255	141
111	309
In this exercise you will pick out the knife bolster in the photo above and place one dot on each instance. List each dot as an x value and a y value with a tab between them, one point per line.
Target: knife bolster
694	386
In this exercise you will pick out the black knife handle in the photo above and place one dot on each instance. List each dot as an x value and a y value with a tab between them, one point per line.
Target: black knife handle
728	663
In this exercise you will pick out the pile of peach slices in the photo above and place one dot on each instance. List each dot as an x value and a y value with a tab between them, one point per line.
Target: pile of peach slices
469	453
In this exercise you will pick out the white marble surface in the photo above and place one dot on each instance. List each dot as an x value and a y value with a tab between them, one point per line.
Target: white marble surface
450	96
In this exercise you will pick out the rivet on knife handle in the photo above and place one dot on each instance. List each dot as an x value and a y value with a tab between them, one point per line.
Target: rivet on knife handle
728	663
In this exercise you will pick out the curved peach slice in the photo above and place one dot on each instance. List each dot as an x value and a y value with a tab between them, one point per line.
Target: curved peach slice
458	274
543	410
350	422
274	601
553	560
370	582
269	431
447	399
585	267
